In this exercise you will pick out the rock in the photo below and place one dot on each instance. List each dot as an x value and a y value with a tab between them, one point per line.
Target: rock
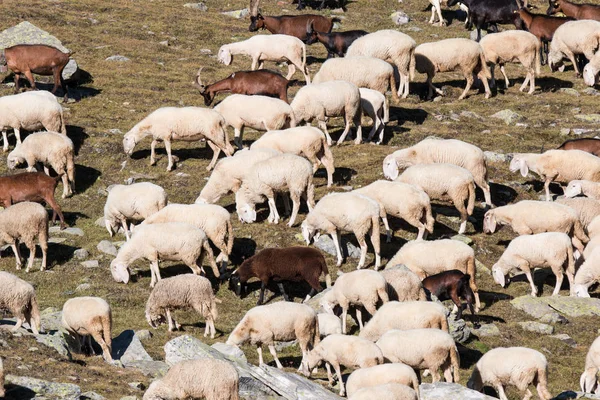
495	157
164	43
100	221
127	348
114	132
69	231
581	131
591	92
81	254
40	387
568	340
537	327
508	116
400	18
136	385
107	247
83	287
230	351
71	70
459	330
569	91
90	264
554	319
481	269
91	396
471	114
449	391
315	300
27	33
56	341
144	334
205	51
196	6
118	58
57	240
594	118
565	131
486	330
326	244
239	14
414	29
154	369
51	319
129	398
463	238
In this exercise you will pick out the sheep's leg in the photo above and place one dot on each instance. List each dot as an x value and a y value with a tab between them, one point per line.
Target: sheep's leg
439	12
359	319
260	357
448	371
31	247
571	279
273	211
346	130
526	81
547	189
44	247
329	376
506	81
528	395
336	237
126	229
274	354
338	373
291	71
469	78
295	207
17	251
363	251
168	148
344	315
559	280
323	126
5	138
254	63
155	272
18	324
531	82
286	204
500	390
105	350
530	279
282	290
153	152
432	19
261	296
237	137
388	231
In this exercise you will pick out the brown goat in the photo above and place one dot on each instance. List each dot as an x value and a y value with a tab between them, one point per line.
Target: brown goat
577	11
543	27
591	145
451	285
293	25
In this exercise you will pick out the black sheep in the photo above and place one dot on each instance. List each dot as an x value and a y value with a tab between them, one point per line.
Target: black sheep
451	285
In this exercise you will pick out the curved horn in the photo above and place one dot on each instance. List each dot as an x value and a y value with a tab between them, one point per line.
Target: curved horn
198	80
309	26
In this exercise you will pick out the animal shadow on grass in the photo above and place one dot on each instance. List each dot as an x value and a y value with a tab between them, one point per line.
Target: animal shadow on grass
501	194
58	253
489	298
343	175
181	154
468	357
552	84
16	392
538	186
402	115
85	177
77	135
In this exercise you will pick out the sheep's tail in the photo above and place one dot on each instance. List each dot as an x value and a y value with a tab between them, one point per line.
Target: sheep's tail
229	237
542	382
429	220
484	67
536	60
570	261
471	202
455	362
316	337
383	294
375	239
579	233
35	314
71	172
393	87
106	329
412	64
310	192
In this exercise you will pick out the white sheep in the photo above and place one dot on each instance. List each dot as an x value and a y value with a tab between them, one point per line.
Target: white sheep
281	321
553	249
591	70
510	47
431	151
401	200
365	378
591	246
18	297
31	111
205	378
279	174
589	378
52	149
449	55
188	124
515	366
446	182
1	378
173	241
403	284
321	101
257	112
89	317
375	105
594	227
587	274
337	212
587	209
573	38
25	222
388	391
276	48
329	324
584	187
132	203
305	141
392	46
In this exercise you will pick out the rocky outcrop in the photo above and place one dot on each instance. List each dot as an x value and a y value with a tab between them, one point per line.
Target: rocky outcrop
449	391
21	387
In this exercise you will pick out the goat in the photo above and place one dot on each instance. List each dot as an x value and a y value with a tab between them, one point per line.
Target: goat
293	25
542	27
337	4
261	82
591	145
483	13
451	285
577	11
336	43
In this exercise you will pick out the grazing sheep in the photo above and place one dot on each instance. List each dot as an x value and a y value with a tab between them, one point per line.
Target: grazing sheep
591	71
589	378
18	297
591	246
52	149
587	209
89	317
403	284
1	378
375	106
515	366
583	187
365	378
451	285
188	124
389	391
573	38
205	378
587	274
329	324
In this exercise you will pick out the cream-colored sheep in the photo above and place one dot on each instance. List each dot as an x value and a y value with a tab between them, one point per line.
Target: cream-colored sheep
553	249
188	124
584	187
591	70
205	378
18	297
446	182
587	209
594	227
380	375
515	366
388	391
403	284
329	324
591	246
573	38
337	212
1	378
589	377
52	149
89	317
374	105
587	274
305	141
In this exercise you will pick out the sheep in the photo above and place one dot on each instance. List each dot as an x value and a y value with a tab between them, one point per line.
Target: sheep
446	182
430	258
229	172
587	209
526	252
512	46
336	212
294	264
282	321
451	55
515	366
389	391
256	112
542	26
572	38
422	349
329	324
584	187
591	71
368	72
30	111
405	315
279	174
401	200
204	378
587	274
591	246
348	351
358	288
365	378
188	124
18	297
589	379
1	378
52	149
451	151
132	203
305	141
24	222
375	106
182	291
261	48
89	317
451	285
403	284
392	46
594	227
321	101
174	241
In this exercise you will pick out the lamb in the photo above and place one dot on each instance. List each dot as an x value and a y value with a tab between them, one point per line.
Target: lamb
18	297
589	379
305	141
205	378
174	241
389	391
401	200
358	288
276	48
321	101
375	106
552	249
451	285
256	112
89	317
348	351
383	374
587	274
403	284
24	222
282	321
572	38
446	182
51	149
188	124
338	212
581	186
452	55
1	378
515	366
182	291
423	349
591	71
279	174
30	111
329	324
132	203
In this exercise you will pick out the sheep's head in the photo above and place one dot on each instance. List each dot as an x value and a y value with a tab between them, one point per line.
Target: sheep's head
390	167
112	226
245	206
573	189
236	286
308	232
581	290
590	74
519	163
224	56
119	271
13	160
313	360
489	222
555	62
129	143
499	276
155	319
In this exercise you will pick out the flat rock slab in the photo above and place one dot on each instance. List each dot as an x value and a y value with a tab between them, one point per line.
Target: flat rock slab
486	330
508	116
537	327
27	33
153	369
69	231
450	391
538	307
128	348
20	387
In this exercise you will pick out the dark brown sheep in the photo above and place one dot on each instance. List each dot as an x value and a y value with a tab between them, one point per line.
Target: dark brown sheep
451	285
591	145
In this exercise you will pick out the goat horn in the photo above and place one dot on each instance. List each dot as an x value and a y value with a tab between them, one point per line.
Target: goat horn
198	80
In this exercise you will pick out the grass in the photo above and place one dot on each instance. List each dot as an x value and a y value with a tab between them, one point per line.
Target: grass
157	75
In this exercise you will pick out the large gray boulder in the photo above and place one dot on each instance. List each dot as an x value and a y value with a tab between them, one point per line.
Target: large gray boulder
449	391
56	341
127	348
539	307
51	390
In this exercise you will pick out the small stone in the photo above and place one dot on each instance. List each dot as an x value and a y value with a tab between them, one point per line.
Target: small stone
205	51
239	14
414	29
347	188
591	92
486	330
164	43
463	238
68	231
565	131
81	254
115	131
196	6
32	349
495	157
90	264
537	327
118	58
400	18
471	114
144	334
91	396
568	340
83	287
553	318
580	131
129	398
508	116
569	91
56	240
594	118
107	247
136	385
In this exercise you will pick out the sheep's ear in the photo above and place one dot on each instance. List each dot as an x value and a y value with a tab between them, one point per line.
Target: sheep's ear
498	276
524	168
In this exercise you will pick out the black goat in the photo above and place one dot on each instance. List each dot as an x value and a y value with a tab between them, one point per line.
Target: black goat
335	43
487	13
451	285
